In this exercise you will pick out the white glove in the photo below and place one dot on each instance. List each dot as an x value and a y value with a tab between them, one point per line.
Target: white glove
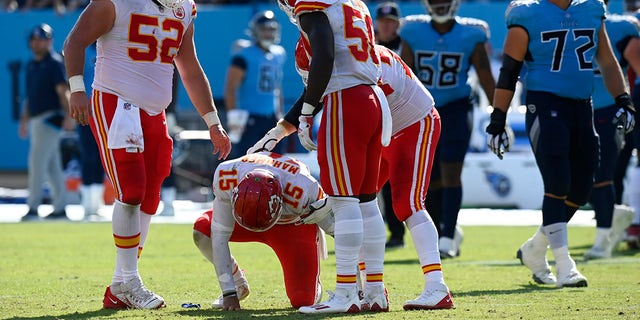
501	143
318	211
270	140
236	122
305	128
625	117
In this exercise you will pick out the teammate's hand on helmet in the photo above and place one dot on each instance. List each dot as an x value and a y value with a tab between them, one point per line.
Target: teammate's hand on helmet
500	136
625	116
270	140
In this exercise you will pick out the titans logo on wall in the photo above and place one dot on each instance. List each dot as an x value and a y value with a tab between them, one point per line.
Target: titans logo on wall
500	183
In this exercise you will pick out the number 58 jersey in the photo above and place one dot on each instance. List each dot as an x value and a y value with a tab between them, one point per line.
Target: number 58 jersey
299	188
135	58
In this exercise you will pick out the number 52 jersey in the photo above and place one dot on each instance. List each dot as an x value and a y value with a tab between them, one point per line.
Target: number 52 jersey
135	58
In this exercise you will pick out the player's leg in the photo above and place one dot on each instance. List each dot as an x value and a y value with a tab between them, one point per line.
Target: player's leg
567	140
92	189
157	160
126	170
410	173
350	121
300	262
457	126
395	226
373	246
549	138
602	197
433	201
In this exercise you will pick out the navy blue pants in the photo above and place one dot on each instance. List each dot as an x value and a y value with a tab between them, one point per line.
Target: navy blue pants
566	147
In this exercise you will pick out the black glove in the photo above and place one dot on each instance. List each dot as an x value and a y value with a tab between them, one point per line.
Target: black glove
499	138
625	116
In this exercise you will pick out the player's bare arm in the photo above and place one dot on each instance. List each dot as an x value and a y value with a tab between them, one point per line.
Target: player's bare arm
318	29
234	78
199	90
482	64
96	19
608	65
407	56
632	54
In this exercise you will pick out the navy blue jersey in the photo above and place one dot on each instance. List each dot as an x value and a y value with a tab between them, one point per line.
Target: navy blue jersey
42	78
620	29
562	44
442	61
259	90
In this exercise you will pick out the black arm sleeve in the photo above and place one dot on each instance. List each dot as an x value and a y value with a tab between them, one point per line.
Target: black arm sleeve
292	115
509	73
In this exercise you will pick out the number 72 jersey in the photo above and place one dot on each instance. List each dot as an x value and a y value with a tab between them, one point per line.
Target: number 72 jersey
562	44
299	188
135	58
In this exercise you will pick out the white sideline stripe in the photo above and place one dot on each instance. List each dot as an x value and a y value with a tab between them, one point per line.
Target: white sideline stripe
515	262
188	212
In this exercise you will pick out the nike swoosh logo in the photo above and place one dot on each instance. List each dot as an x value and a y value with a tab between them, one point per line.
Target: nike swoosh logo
113	301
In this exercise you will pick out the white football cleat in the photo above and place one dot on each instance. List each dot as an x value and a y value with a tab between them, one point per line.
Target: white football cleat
342	301
137	296
433	297
571	278
602	246
622	219
458	236
376	300
597	252
536	260
242	289
448	248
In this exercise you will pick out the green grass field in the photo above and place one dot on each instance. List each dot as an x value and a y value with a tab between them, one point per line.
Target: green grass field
60	271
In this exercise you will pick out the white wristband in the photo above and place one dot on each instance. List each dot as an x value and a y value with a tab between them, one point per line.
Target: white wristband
307	109
211	119
76	83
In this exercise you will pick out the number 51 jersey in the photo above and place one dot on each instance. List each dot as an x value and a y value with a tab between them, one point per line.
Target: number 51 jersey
135	58
356	61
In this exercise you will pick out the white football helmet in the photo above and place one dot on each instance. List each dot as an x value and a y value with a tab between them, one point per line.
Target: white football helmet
171	4
441	11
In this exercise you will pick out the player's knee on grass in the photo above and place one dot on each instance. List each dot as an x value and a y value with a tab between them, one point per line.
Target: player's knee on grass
300	297
202	235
